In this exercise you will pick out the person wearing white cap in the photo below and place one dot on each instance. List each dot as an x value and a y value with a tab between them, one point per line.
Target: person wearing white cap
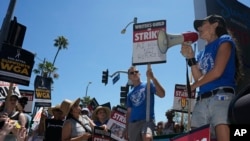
85	111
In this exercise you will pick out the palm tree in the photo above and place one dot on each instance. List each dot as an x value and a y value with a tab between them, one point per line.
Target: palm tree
85	101
61	43
46	68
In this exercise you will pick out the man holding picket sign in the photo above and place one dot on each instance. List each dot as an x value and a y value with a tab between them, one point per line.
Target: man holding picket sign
140	123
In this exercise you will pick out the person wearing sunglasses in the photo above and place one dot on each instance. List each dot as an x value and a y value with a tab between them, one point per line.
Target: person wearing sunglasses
137	128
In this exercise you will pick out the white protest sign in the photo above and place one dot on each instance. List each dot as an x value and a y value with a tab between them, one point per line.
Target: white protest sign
181	99
4	88
145	49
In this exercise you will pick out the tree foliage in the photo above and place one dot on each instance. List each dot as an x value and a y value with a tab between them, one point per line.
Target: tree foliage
60	43
46	68
85	101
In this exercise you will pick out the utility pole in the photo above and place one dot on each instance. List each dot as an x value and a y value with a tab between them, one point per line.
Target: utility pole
3	35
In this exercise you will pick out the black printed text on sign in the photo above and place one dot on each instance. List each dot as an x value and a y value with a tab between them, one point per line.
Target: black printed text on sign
16	65
42	88
145	49
42	94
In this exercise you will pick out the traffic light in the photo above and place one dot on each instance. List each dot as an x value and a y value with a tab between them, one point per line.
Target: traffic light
105	75
123	94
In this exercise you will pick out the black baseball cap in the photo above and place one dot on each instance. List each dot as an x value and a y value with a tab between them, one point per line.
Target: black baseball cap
210	19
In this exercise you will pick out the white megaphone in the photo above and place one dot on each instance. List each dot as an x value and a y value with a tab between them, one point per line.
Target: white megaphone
165	41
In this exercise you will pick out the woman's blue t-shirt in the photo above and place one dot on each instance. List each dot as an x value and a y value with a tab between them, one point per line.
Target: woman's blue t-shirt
206	60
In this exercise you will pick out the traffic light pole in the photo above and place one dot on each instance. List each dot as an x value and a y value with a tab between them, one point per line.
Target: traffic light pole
105	75
6	22
118	72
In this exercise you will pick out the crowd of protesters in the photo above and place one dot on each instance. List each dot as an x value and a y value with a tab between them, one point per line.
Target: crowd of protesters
70	121
64	121
61	122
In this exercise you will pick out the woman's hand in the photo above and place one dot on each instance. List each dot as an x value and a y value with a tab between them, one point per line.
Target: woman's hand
8	126
187	50
105	127
21	134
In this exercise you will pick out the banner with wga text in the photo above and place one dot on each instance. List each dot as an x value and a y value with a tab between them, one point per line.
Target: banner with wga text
145	49
42	88
16	65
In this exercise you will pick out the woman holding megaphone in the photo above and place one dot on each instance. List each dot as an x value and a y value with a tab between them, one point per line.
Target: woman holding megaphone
216	74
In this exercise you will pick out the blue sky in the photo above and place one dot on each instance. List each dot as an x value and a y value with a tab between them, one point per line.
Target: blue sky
93	29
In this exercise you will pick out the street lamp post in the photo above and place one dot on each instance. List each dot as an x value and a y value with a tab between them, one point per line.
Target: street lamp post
87	89
124	29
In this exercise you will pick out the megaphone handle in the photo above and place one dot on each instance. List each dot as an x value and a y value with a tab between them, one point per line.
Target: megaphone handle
148	96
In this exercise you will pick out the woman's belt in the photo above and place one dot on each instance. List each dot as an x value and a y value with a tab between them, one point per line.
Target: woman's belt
214	92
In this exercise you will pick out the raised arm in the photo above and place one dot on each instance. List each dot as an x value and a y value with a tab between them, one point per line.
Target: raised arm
160	91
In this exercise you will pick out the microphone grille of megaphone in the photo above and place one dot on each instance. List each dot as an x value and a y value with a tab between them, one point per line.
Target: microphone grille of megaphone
165	41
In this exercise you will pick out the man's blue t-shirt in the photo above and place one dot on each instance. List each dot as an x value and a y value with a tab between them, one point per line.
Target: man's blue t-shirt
137	101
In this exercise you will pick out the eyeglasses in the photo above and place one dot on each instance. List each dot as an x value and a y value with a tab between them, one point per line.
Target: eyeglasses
133	72
85	112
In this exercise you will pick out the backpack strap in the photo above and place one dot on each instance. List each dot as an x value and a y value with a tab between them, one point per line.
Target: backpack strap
83	125
14	116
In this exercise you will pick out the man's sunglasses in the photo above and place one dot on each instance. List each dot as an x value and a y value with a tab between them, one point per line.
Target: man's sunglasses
133	72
